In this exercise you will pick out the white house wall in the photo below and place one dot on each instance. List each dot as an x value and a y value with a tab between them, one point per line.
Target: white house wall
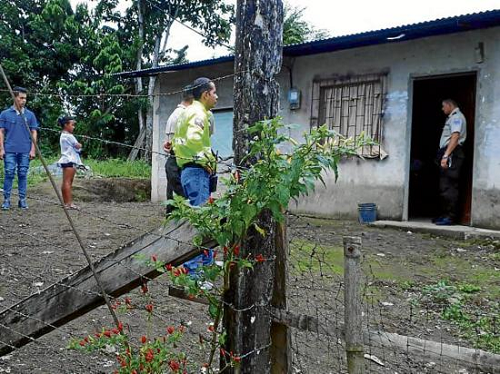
385	182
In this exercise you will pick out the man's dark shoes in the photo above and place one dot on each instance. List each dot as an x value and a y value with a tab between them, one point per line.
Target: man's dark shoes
6	205
435	219
444	221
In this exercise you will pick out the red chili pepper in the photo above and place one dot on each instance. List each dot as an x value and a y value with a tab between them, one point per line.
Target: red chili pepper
260	258
174	365
150	355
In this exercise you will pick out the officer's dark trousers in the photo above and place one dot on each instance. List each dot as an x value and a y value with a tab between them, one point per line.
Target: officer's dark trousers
449	183
173	180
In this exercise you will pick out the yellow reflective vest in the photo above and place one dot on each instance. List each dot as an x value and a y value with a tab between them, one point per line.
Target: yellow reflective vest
191	140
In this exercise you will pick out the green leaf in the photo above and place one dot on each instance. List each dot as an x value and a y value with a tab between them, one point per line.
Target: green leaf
213	310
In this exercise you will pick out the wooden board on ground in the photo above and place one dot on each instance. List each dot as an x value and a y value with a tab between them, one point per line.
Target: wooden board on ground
72	297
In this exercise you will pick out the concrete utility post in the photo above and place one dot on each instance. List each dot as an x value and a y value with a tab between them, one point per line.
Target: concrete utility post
258	58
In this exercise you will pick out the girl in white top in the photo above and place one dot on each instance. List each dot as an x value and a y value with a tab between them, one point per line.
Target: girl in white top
70	159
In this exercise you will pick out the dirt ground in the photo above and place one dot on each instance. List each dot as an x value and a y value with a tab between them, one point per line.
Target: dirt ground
409	280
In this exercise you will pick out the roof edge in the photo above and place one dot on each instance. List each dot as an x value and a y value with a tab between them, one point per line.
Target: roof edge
442	26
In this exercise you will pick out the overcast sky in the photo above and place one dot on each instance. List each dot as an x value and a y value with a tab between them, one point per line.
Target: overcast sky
346	17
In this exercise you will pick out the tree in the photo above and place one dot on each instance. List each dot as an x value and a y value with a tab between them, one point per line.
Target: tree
38	46
256	98
71	59
146	27
296	30
59	53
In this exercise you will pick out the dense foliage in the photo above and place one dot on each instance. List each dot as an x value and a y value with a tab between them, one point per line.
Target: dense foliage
61	54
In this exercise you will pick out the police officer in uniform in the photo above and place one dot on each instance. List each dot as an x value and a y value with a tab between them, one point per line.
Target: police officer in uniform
450	159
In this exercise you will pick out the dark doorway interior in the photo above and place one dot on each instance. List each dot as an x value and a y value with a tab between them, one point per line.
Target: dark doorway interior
427	123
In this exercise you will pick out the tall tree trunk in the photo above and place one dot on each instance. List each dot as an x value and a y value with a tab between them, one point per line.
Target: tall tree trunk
158	53
258	60
138	84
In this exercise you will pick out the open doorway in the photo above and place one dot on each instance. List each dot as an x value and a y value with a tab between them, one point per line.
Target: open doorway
427	123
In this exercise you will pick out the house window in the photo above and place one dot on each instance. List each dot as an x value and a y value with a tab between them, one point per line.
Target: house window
351	106
222	139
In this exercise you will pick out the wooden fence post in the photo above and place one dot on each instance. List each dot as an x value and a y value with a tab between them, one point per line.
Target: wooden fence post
281	360
353	305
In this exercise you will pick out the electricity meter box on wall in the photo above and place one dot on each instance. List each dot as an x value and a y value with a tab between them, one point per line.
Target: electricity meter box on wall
294	98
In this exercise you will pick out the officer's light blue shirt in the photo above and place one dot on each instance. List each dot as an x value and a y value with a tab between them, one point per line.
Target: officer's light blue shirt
16	136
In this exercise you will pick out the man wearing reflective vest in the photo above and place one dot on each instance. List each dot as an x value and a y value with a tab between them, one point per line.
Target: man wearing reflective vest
193	151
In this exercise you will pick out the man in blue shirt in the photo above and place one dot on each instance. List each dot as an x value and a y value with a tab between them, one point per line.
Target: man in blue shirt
16	147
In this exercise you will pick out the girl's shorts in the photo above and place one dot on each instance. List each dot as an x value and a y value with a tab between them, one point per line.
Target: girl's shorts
68	165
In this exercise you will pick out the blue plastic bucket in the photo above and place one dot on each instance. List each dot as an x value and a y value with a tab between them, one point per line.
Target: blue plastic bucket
367	212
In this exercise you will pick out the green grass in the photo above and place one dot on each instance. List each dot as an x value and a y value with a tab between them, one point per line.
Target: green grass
315	258
116	168
112	168
477	322
462	269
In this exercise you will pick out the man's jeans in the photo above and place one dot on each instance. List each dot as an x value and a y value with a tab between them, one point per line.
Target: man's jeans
22	161
196	185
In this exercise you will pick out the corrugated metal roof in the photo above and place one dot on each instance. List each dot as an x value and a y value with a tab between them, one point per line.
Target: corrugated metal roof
419	30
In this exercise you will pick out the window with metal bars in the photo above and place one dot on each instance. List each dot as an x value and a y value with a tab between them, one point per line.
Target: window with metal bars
351	106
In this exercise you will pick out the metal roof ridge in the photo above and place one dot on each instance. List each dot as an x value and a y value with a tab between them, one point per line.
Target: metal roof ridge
349	40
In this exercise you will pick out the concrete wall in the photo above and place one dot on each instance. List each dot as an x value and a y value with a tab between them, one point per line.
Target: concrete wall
384	182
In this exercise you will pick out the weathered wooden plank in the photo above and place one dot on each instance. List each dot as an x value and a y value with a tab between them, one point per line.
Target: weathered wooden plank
78	294
435	351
